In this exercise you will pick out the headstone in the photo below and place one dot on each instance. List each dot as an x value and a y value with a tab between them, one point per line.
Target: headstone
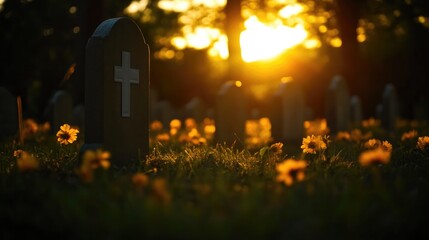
379	111
230	113
164	112
421	109
59	110
390	112
355	110
195	109
117	91
79	118
210	113
338	105
308	114
8	114
288	112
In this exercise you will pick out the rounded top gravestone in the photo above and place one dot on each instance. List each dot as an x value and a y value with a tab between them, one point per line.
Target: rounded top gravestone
230	113
338	105
288	113
8	114
117	90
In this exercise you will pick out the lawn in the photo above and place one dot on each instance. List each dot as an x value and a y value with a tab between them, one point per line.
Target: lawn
197	189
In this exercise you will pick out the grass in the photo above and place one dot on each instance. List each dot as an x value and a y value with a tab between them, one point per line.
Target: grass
216	192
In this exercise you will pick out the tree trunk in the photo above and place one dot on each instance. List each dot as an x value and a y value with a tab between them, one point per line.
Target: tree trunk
234	26
348	18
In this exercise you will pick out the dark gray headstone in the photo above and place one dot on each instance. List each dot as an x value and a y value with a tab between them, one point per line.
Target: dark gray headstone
378	111
165	112
79	118
8	114
390	112
356	110
195	109
59	110
230	114
421	108
117	91
288	112
338	105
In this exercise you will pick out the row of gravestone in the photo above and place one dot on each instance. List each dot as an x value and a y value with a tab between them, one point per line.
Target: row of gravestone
287	110
117	99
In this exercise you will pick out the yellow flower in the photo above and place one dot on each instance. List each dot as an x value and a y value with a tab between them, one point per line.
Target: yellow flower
163	137
316	127
423	143
190	123
30	127
175	124
92	160
156	126
409	135
357	135
291	170
370	123
312	144
209	130
66	134
276	148
140	179
173	131
386	146
372	143
193	133
343	135
370	157
25	161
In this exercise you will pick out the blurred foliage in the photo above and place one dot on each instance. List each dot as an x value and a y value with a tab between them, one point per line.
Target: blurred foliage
41	39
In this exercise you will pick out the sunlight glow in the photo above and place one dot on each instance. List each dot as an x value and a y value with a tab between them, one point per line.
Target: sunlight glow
179	42
175	6
336	42
136	6
201	37
261	41
291	10
265	36
220	48
1	5
286	79
312	43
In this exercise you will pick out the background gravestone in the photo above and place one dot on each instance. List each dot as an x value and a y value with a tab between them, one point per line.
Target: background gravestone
117	91
378	111
338	105
79	118
195	109
164	112
355	110
288	113
230	114
390	110
59	110
8	114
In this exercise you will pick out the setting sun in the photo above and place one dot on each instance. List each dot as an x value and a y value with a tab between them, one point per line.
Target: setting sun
263	37
261	41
